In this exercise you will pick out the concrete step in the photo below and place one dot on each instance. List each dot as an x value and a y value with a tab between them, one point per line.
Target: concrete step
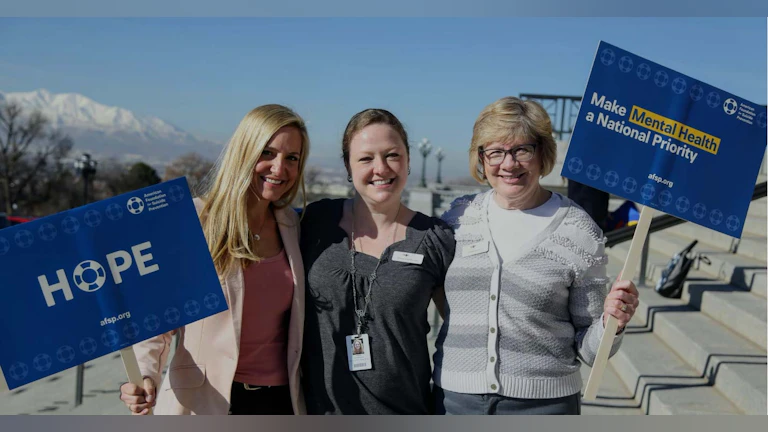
734	365
708	347
657	262
661	382
736	269
753	246
755	224
755	280
739	310
650	301
613	398
743	382
687	401
750	245
758	207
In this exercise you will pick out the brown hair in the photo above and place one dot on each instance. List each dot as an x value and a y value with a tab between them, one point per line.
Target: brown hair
369	117
509	119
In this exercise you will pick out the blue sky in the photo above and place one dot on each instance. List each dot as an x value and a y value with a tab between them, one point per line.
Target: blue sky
436	74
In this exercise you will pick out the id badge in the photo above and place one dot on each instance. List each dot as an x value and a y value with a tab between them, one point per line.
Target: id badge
474	249
407	257
359	352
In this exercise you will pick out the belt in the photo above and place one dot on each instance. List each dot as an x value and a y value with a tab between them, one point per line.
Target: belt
250	387
254	387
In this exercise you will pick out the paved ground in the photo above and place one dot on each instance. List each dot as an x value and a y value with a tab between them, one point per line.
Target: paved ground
56	394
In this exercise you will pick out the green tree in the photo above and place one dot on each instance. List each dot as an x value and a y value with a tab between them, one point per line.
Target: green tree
141	175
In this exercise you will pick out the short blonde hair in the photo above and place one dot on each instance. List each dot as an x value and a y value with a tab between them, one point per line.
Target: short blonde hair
225	213
509	119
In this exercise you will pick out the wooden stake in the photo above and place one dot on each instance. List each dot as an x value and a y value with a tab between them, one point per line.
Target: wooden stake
612	324
132	368
3	384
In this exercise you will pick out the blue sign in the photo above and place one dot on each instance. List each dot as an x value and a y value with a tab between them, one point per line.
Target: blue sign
89	281
668	141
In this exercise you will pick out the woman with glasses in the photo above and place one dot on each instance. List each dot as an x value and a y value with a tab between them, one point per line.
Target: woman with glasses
525	294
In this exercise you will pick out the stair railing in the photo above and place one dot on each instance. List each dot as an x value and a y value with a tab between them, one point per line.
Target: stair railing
659	223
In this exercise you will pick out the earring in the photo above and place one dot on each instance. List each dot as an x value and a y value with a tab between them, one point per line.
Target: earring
349	178
409	170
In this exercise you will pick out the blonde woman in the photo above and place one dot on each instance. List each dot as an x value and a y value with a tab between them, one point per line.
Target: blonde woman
526	293
244	360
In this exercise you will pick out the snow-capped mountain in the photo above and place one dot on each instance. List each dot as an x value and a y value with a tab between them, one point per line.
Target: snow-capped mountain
108	131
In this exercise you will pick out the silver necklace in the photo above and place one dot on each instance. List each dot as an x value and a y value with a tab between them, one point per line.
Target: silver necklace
361	313
257	236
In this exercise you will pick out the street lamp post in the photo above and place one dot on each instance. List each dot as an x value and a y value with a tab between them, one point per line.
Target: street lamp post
425	148
87	169
440	155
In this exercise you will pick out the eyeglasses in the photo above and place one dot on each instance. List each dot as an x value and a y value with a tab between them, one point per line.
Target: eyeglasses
521	153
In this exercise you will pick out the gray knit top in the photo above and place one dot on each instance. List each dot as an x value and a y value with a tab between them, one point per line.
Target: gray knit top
516	329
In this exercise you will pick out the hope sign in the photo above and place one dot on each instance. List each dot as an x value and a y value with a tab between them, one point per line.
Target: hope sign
99	278
93	267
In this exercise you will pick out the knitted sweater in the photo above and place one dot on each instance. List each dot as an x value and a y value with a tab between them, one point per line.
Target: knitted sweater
516	329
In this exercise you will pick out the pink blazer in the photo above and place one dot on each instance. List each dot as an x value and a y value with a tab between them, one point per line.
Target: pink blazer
199	380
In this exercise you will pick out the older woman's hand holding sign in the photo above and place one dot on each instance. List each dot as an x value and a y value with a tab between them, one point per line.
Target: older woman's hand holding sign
621	303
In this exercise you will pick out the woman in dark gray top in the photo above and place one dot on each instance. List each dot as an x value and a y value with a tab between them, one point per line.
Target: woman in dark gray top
372	266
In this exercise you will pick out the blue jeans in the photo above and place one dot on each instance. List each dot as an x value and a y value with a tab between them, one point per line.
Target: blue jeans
451	403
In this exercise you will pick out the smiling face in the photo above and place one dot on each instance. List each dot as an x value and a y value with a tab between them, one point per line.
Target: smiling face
513	181
278	167
378	163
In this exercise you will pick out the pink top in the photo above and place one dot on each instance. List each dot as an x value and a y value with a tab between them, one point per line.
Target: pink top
263	359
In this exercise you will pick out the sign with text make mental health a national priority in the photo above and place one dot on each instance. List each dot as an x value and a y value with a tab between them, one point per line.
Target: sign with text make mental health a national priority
663	139
89	281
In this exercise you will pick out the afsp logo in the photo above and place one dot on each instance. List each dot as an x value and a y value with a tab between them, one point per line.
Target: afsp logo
135	205
90	276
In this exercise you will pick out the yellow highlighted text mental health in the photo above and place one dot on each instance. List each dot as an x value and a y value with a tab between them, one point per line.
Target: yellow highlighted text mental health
674	129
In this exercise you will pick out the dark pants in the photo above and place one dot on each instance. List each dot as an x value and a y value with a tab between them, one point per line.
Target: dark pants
593	201
451	403
274	400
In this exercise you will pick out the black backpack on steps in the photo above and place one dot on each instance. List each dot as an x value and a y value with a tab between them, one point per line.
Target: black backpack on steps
670	284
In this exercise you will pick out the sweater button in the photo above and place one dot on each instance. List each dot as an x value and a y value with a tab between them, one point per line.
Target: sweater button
493	387
493	297
493	359
493	330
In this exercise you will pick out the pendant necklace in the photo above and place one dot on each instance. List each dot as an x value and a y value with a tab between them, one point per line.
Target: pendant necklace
257	236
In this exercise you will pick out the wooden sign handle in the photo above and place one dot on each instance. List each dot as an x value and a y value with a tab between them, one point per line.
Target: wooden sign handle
612	324
132	368
3	384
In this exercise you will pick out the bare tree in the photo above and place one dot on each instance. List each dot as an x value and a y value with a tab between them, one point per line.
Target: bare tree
116	177
192	165
109	180
27	147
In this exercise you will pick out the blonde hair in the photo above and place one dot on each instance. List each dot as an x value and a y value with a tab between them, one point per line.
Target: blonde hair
225	215
510	119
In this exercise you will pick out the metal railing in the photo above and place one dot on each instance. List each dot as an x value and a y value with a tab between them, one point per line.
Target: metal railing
664	221
659	223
